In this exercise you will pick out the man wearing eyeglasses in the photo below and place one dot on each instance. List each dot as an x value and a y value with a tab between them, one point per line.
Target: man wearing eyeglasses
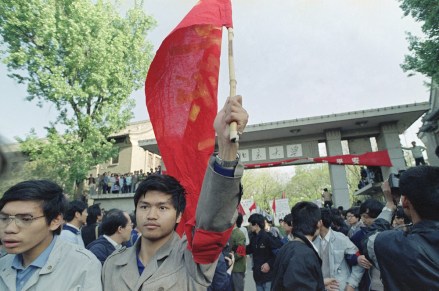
30	221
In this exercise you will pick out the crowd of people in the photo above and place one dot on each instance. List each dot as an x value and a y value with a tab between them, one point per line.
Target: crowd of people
114	183
52	244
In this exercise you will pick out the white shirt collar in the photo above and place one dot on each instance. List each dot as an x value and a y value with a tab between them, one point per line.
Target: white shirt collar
115	244
317	251
327	236
71	225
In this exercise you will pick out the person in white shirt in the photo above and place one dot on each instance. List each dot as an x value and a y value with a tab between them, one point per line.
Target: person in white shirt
76	217
334	248
417	153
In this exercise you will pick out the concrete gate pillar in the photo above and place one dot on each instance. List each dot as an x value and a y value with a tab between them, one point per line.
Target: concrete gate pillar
431	142
389	139
337	173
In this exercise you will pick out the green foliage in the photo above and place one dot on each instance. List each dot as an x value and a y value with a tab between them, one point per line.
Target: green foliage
263	186
308	183
86	59
424	56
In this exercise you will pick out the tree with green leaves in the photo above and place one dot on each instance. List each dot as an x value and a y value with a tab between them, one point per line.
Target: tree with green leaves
85	58
424	50
263	186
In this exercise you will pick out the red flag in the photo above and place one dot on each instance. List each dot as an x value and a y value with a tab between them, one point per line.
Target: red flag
241	209
273	205
379	158
253	207
181	95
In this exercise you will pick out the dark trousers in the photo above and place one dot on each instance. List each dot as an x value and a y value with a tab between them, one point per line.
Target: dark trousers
419	161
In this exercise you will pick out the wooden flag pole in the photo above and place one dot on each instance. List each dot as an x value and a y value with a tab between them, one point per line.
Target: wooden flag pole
234	137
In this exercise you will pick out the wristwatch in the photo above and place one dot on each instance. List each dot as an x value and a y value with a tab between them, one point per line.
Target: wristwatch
227	164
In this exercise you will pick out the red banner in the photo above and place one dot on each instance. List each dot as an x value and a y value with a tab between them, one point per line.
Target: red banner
379	158
181	95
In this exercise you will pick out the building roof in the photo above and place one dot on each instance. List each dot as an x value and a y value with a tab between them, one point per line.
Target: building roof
354	124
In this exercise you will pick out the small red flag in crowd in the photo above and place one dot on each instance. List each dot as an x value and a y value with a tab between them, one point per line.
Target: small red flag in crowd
252	207
181	95
241	209
273	205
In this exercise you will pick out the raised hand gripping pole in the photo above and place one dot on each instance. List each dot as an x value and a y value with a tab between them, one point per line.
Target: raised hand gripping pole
234	137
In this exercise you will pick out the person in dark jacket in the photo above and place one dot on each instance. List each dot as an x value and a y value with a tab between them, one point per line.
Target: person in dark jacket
222	280
262	246
298	265
116	227
410	260
90	232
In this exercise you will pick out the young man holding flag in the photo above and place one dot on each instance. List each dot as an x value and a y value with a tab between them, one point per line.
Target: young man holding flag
161	260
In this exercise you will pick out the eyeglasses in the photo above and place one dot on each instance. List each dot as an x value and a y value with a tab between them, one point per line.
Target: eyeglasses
21	220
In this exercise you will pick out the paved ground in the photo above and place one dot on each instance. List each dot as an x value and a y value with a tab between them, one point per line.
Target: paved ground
249	282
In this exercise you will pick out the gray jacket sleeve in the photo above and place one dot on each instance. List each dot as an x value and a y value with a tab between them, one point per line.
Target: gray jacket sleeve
219	198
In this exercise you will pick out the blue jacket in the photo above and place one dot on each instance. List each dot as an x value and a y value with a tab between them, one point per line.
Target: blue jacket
101	248
221	280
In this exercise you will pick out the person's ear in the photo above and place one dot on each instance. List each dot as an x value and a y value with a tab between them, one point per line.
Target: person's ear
56	222
179	217
404	202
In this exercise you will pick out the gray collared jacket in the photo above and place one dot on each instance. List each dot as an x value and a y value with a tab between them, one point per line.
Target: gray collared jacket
173	267
69	267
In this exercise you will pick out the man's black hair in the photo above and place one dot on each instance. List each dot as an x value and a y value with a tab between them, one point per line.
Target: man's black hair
306	216
420	185
288	219
371	207
239	220
258	219
355	211
93	212
166	184
45	191
399	213
133	220
112	220
73	207
326	217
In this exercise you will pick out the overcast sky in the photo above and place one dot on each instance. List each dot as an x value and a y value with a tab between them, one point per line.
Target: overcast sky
293	59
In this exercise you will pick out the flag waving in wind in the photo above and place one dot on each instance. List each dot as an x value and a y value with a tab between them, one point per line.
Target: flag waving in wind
181	95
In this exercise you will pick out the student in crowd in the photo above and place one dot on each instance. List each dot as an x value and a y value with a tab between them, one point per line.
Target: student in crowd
334	250
30	219
353	219
263	246
160	259
287	225
75	217
222	279
298	265
369	211
400	220
116	228
237	244
410	260
134	232
90	232
269	227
